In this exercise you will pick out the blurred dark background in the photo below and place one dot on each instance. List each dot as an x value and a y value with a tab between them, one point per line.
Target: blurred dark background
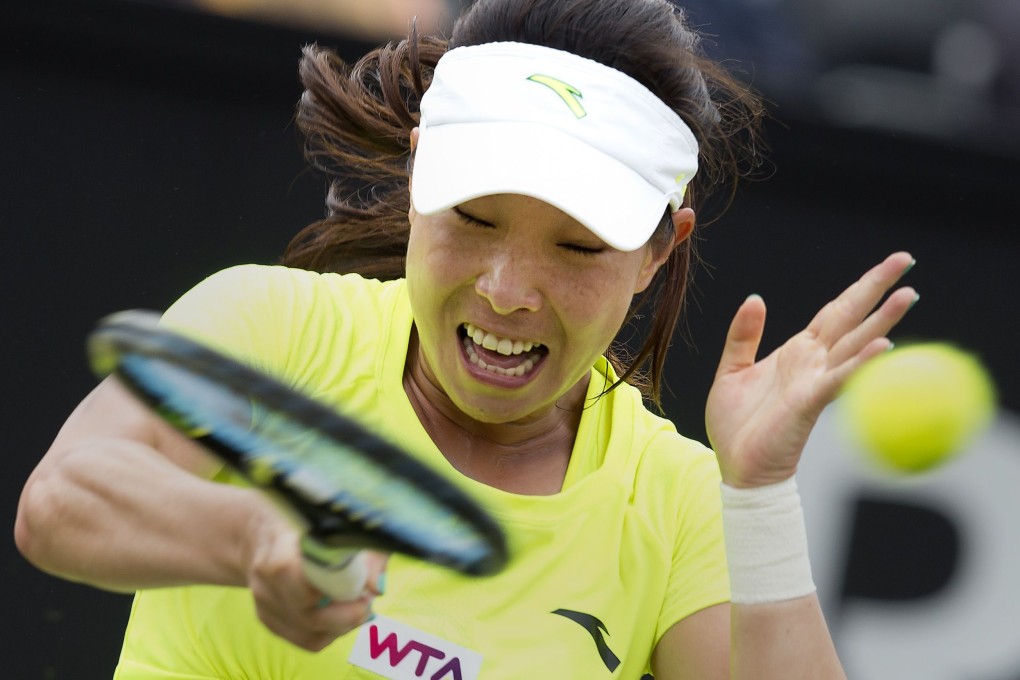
146	145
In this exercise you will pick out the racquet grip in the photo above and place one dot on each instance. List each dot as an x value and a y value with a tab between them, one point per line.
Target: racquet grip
340	573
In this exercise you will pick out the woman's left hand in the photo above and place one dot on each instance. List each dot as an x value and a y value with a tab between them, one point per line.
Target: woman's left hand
759	413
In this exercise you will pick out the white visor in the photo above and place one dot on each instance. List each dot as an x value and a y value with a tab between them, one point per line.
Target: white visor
513	118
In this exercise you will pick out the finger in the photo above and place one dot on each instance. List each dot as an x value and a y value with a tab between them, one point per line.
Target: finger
341	617
299	635
877	325
277	575
853	305
316	628
744	336
376	563
842	373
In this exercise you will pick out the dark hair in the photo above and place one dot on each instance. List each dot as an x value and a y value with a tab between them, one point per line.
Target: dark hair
357	121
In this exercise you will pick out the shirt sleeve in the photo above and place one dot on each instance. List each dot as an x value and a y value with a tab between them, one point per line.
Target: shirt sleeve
230	311
276	319
699	577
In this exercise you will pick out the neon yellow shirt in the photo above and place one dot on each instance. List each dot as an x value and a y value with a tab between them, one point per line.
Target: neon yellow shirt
631	545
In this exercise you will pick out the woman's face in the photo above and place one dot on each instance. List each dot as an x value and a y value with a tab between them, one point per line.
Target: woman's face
514	301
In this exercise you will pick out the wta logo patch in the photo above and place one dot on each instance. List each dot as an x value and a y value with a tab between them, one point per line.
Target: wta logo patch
397	651
570	95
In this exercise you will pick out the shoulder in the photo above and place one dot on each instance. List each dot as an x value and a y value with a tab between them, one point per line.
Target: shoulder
671	475
268	294
262	284
649	442
677	473
273	316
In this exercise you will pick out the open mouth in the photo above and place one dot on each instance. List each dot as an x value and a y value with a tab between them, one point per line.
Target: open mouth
503	356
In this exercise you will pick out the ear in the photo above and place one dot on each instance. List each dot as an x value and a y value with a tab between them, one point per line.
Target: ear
683	226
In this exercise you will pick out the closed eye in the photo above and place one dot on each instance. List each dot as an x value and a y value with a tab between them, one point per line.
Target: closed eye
582	250
470	219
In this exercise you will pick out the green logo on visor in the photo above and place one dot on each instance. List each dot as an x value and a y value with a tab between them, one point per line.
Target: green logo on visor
568	93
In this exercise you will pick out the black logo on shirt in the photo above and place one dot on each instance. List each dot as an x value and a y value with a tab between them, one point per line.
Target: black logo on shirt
595	628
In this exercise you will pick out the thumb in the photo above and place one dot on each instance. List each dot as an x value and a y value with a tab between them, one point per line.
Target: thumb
376	563
744	336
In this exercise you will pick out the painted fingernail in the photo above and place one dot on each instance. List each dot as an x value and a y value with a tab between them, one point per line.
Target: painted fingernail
909	266
324	601
380	583
891	347
913	302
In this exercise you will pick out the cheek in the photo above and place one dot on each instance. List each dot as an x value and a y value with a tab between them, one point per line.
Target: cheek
604	296
423	289
610	286
597	305
432	253
423	264
436	277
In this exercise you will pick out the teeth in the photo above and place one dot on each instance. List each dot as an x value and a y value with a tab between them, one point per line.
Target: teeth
504	346
517	371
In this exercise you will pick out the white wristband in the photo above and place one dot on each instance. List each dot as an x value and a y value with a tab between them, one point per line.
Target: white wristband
766	543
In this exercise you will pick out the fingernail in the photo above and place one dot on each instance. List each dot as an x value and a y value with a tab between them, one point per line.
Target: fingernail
752	296
324	601
910	266
891	347
380	583
913	302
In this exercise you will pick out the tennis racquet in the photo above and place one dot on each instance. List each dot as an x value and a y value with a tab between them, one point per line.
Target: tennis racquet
346	487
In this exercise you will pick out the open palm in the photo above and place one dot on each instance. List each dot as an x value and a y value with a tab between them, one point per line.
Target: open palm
760	413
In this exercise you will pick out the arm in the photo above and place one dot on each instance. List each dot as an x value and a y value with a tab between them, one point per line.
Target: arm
789	636
119	502
759	415
123	502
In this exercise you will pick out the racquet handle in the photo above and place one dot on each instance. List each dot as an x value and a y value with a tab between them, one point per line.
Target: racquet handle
340	573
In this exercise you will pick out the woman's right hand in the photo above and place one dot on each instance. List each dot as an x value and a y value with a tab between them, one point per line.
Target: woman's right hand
287	603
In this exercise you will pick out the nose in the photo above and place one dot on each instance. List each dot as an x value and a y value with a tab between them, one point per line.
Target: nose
509	283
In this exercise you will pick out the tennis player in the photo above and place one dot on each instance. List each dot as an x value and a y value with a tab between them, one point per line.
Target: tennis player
470	312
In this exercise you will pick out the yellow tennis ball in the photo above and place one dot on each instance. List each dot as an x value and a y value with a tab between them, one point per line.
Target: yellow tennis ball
916	406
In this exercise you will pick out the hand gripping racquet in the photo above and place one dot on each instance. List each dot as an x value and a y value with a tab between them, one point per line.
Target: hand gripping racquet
347	487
